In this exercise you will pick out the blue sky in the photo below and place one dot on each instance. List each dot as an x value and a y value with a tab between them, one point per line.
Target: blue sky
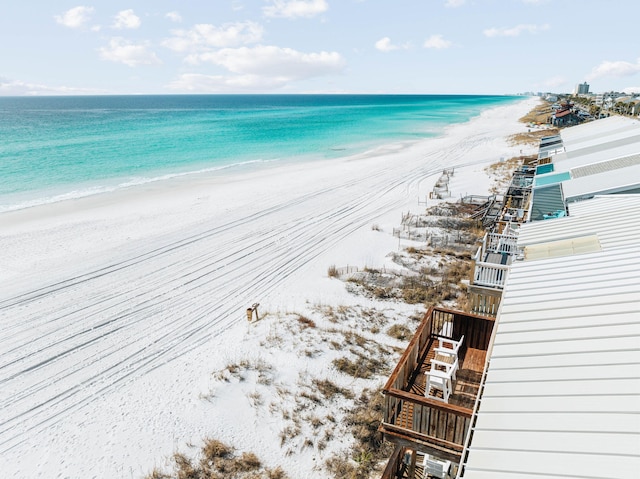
318	46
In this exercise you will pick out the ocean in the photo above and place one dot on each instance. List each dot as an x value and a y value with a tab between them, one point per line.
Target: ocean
57	148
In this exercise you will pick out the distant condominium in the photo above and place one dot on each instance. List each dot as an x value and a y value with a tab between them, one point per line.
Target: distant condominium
581	89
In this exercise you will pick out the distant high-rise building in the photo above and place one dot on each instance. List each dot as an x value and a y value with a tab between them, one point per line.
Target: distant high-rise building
581	89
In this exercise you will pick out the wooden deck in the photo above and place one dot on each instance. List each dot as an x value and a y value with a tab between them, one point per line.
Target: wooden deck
465	387
424	424
467	383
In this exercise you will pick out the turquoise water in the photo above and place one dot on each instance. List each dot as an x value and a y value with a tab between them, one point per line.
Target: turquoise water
55	148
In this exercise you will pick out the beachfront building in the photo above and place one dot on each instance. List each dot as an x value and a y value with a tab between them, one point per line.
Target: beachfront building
581	89
556	383
565	116
561	395
596	158
600	157
498	249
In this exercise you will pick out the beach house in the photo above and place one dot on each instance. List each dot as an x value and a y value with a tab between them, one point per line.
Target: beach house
561	391
549	387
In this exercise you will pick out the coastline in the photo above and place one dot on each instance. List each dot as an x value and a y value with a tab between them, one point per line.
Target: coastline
192	136
266	236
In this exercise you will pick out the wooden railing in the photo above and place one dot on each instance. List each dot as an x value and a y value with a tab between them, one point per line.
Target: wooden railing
445	323
419	421
484	301
410	359
476	329
441	424
491	275
395	467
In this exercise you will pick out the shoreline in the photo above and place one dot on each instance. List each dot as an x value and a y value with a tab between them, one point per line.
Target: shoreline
214	176
167	275
207	164
199	194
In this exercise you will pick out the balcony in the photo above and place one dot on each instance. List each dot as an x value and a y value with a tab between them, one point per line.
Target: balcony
506	243
490	275
426	425
493	259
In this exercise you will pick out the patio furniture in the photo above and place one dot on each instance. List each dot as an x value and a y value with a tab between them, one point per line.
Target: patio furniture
445	361
449	345
438	380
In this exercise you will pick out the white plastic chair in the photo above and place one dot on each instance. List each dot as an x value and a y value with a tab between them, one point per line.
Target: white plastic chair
449	345
445	361
439	380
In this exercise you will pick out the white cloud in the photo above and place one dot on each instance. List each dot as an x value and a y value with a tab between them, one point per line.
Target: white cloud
631	89
272	62
174	17
204	36
17	87
385	45
131	54
437	42
454	3
258	69
126	19
75	17
196	82
615	69
295	8
515	31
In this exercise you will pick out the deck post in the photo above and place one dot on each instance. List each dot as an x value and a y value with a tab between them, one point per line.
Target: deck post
412	465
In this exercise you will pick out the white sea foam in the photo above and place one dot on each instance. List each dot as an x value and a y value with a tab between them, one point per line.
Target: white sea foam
139	181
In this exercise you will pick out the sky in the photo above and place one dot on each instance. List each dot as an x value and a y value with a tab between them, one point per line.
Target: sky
318	46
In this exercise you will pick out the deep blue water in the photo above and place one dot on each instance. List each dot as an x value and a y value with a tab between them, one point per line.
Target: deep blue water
58	147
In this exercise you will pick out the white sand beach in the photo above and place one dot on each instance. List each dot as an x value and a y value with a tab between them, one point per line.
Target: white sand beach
116	309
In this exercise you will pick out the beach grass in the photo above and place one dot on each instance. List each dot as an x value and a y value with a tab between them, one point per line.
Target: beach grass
532	137
539	115
218	460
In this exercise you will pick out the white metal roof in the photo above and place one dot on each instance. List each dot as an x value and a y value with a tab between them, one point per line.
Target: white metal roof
623	179
602	140
601	156
599	128
586	143
608	151
603	166
562	393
